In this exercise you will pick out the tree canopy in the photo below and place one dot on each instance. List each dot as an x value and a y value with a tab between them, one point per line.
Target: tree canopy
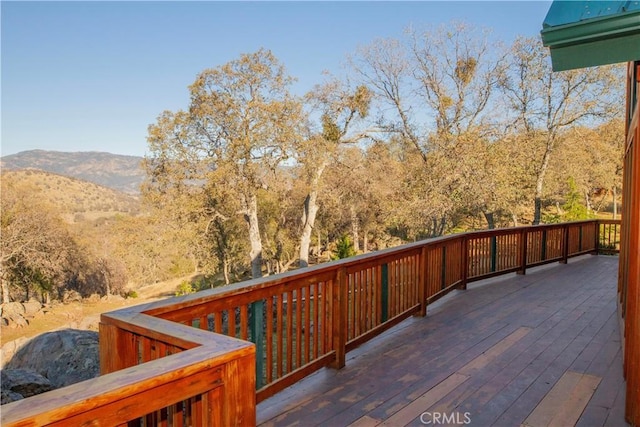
441	131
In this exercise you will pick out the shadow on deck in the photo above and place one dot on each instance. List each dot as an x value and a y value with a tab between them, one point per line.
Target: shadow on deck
541	349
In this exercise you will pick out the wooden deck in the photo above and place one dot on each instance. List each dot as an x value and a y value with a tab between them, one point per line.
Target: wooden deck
533	350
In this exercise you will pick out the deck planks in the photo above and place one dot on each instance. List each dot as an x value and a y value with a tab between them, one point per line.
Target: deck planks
495	351
564	403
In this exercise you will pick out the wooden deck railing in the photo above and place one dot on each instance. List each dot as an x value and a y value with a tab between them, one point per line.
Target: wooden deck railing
193	359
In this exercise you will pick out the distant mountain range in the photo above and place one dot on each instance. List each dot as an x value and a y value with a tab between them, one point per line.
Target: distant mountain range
119	172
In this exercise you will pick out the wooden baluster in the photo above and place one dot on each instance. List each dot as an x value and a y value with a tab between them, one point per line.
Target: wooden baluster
244	322
279	332
269	340
289	337
340	317
231	317
299	303
307	324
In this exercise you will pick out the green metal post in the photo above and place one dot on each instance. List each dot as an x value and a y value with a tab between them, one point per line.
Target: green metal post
257	337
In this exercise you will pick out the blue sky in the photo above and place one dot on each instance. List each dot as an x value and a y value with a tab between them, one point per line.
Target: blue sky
92	76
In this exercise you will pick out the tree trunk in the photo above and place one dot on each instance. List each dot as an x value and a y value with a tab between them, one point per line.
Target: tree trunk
438	226
365	242
225	270
309	212
319	247
491	223
514	218
251	217
615	202
355	229
587	201
537	207
6	297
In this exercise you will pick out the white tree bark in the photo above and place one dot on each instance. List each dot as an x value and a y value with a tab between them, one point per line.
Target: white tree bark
310	210
251	217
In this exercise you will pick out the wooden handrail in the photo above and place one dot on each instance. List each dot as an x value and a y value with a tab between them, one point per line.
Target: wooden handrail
199	373
298	321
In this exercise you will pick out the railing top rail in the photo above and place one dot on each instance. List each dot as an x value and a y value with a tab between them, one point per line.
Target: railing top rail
173	333
252	285
66	402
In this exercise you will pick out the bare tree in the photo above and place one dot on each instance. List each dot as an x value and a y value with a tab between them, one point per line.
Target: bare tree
36	249
241	123
435	90
546	103
340	109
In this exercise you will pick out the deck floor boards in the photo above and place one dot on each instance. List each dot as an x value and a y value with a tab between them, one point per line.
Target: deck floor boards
496	353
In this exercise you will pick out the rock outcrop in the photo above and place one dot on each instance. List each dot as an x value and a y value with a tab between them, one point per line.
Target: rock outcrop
62	358
14	315
20	383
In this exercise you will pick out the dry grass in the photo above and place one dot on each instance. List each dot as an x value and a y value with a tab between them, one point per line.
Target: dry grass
76	200
74	314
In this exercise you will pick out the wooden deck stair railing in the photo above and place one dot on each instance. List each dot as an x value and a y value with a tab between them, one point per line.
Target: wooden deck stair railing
193	360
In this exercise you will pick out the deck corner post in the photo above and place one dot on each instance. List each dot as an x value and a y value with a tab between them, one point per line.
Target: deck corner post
107	340
116	348
340	322
523	252
239	399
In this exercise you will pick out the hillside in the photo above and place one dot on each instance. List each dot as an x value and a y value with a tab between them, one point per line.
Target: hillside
75	199
122	173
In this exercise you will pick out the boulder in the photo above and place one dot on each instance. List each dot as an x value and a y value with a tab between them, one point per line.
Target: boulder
8	396
10	309
71	296
64	357
9	349
19	383
32	308
15	322
13	315
74	366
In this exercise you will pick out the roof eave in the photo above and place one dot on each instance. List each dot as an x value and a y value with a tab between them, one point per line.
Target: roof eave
596	41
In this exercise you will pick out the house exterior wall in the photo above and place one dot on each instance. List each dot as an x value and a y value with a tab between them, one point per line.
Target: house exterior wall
629	272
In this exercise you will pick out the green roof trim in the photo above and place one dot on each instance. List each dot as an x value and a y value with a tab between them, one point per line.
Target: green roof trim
588	33
570	12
